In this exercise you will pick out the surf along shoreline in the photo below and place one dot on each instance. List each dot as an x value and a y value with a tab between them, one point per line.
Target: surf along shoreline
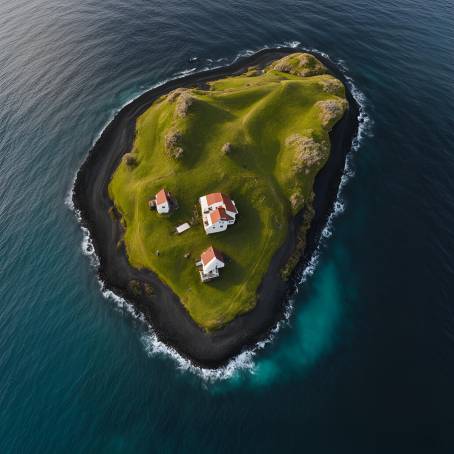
163	310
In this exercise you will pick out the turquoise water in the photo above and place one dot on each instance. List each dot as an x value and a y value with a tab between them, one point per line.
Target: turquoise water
365	362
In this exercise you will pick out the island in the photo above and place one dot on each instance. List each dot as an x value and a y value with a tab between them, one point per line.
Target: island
204	196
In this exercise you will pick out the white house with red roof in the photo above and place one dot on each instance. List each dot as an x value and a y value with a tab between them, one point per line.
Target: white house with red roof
163	201
211	260
218	212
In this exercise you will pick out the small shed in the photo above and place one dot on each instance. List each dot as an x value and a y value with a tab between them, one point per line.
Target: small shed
162	202
210	262
183	227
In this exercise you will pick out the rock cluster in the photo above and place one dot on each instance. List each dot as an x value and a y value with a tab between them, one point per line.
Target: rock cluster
227	148
184	102
301	64
173	140
174	94
296	200
130	159
331	85
308	152
331	110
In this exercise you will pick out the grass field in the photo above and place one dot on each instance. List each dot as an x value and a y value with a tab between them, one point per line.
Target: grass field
277	121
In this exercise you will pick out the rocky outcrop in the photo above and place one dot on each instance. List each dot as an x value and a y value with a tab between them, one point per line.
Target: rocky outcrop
331	85
300	64
297	200
331	110
227	148
183	103
130	159
173	143
308	152
174	94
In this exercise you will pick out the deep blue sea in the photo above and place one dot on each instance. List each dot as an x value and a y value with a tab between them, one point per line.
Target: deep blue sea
365	363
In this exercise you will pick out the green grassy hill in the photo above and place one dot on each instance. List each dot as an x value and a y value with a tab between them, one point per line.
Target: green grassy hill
277	122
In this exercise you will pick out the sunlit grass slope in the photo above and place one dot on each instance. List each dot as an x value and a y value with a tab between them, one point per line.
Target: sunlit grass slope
277	122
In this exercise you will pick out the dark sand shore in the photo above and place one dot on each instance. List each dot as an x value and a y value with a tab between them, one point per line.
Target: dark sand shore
164	311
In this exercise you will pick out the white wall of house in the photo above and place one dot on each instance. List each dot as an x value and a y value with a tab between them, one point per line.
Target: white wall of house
219	226
203	204
163	208
213	264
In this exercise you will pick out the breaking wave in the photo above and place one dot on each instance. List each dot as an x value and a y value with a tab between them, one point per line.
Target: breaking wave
245	360
365	125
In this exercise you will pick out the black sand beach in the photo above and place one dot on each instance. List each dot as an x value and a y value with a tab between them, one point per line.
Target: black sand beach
163	310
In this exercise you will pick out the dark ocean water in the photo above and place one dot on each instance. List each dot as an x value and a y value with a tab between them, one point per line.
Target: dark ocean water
366	364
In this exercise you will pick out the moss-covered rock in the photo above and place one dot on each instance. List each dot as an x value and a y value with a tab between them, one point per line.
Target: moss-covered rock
307	152
183	104
331	110
297	200
173	143
332	85
134	287
174	94
300	64
148	289
130	159
227	148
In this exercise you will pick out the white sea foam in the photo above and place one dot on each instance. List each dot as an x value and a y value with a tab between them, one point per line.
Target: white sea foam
69	202
293	44
244	53
245	360
364	129
185	72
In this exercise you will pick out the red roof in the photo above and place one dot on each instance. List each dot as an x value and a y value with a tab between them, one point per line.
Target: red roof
162	197
218	197
219	214
210	254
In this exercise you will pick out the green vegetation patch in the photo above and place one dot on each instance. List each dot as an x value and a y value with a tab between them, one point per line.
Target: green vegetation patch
261	138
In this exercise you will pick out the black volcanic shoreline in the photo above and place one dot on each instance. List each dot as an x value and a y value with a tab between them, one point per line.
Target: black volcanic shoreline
163	311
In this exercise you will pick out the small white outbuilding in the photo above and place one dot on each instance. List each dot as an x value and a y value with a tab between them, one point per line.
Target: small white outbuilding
211	260
183	227
163	201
